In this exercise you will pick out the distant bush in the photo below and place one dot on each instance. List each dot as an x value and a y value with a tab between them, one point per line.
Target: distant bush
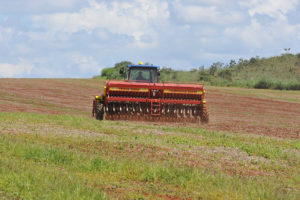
263	84
293	86
277	85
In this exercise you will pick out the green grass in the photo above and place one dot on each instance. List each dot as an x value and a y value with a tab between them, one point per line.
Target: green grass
68	157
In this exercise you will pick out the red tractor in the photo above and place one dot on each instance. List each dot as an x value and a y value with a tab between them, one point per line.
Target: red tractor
141	97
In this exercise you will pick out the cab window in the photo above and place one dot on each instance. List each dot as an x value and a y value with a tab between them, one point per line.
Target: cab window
143	75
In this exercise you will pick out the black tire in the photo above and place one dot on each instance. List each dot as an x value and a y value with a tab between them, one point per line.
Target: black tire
204	117
99	111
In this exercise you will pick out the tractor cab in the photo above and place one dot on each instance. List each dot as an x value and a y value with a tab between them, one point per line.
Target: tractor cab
142	73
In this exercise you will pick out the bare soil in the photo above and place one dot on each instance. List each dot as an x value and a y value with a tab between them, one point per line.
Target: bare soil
251	114
235	112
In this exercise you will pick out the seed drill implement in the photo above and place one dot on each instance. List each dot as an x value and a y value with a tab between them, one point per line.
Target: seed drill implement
142	97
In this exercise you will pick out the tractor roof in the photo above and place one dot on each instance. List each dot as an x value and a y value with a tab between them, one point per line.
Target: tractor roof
153	66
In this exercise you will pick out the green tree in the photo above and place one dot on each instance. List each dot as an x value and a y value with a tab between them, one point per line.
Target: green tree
114	72
253	60
204	75
214	67
232	63
225	74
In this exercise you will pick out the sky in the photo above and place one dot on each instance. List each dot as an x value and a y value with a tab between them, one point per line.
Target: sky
78	38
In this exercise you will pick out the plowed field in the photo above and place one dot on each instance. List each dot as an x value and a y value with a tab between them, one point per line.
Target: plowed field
266	112
51	148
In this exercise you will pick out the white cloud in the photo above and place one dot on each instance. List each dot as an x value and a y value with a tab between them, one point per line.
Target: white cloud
60	3
178	63
134	19
5	34
205	2
252	35
50	72
9	70
85	63
276	9
22	48
210	14
265	36
37	5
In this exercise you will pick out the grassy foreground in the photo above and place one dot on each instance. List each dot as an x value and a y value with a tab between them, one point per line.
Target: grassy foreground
75	157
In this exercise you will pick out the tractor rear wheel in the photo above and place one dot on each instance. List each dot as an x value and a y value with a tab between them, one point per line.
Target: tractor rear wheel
204	117
99	111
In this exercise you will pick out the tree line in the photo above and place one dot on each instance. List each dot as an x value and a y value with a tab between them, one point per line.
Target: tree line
279	72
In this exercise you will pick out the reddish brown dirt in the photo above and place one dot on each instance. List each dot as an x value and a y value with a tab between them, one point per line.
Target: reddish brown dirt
228	112
237	113
52	96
